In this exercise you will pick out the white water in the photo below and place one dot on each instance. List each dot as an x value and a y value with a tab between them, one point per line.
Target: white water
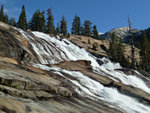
94	89
54	50
132	80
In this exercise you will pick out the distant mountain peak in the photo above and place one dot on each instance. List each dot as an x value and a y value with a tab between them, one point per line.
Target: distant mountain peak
122	32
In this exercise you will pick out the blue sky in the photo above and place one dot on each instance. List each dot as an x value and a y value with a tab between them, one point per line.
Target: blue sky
106	14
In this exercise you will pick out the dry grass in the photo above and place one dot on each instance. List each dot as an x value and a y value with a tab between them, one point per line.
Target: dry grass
87	43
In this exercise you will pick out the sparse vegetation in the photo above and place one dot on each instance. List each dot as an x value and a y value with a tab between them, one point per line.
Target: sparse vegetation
94	47
6	83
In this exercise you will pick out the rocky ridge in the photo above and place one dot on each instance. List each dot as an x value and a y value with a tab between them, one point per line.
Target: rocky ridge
122	32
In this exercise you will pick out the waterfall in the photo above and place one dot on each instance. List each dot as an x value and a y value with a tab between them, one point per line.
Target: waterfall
51	50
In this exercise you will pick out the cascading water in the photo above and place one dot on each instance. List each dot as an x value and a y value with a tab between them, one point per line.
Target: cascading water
54	50
94	90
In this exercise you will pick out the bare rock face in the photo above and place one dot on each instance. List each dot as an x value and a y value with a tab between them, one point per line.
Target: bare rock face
86	69
102	46
87	43
12	45
26	89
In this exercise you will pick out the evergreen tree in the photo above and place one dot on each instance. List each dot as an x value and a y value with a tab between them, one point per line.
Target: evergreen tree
94	47
12	22
120	53
22	22
57	30
95	33
30	24
116	50
50	22
3	16
113	47
43	26
37	23
63	26
145	52
82	30
6	20
76	26
87	28
2	13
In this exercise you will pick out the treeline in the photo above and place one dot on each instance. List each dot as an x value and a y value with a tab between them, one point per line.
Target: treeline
39	22
144	46
86	29
116	52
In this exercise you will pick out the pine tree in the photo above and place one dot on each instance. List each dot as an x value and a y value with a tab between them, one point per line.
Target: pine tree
82	30
116	50
12	22
36	23
50	22
87	28
2	13
57	30
22	23
113	47
30	24
145	52
43	26
5	20
95	33
76	26
120	53
63	26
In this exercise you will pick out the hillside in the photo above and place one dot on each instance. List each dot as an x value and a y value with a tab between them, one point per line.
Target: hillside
44	74
102	47
122	32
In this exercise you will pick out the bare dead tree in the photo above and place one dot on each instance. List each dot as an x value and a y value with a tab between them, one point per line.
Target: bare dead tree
131	41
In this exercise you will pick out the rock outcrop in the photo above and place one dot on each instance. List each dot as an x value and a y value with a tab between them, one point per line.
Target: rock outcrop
12	45
102	47
26	89
85	68
36	75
